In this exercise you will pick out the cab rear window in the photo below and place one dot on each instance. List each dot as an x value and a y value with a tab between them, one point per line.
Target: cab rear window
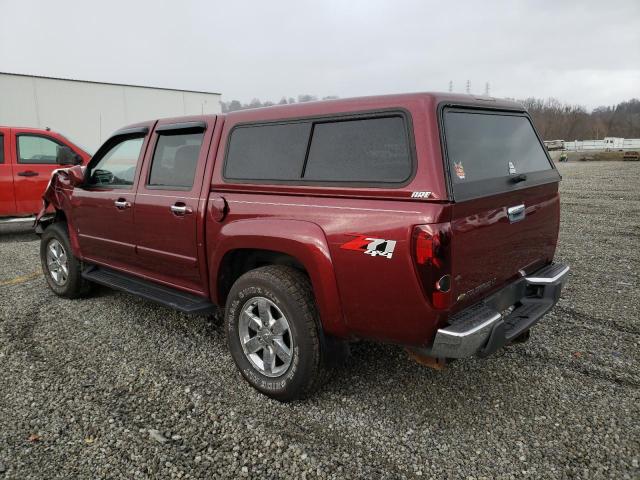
491	152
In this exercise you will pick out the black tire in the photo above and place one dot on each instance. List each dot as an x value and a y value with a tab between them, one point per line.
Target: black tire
74	285
290	291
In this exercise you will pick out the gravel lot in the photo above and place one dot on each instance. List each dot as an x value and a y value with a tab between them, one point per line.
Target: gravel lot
116	387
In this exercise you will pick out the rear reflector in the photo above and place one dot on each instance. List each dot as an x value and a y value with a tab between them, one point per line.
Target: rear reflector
441	300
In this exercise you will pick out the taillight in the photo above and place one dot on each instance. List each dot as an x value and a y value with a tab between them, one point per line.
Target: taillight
432	253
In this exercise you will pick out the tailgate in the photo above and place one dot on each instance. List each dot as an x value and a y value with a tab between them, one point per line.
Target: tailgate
505	218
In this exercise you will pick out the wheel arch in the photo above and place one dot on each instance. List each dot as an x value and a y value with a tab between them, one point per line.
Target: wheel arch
60	217
246	244
57	206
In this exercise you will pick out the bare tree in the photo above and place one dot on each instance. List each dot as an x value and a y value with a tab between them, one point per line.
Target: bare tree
557	120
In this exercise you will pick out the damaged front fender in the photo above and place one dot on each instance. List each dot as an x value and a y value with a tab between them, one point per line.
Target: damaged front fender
57	194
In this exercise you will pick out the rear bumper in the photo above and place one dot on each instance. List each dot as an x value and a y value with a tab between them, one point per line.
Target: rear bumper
499	319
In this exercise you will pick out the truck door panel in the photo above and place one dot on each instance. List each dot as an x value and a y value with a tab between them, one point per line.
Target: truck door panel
167	210
35	159
103	207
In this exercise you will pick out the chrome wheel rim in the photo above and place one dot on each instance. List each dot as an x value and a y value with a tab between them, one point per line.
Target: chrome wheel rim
57	262
265	337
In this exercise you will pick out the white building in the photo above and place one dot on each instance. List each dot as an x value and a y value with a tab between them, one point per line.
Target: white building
88	112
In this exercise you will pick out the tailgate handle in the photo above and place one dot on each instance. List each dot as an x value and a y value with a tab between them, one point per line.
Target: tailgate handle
516	213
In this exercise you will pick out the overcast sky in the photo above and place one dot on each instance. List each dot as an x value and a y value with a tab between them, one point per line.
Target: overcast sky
585	52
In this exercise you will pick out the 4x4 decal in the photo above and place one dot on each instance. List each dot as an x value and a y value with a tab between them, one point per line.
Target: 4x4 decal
371	246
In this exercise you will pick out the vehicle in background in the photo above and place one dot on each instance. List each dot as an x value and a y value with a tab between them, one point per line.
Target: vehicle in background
554	145
424	220
28	156
613	143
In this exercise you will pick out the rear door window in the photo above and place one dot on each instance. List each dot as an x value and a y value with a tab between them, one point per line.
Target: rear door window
492	152
175	160
370	150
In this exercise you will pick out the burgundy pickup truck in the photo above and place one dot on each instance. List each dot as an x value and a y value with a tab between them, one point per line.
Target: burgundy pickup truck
425	220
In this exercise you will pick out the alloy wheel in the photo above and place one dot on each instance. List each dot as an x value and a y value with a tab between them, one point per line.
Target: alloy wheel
57	262
265	337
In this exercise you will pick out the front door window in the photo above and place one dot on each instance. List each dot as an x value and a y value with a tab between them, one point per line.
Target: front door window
117	168
35	150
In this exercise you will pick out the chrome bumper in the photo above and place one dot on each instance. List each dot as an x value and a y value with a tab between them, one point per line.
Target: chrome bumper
482	329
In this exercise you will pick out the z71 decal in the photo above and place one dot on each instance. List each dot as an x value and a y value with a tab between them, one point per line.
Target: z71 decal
371	246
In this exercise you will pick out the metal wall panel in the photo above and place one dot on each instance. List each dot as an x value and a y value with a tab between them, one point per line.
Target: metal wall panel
89	112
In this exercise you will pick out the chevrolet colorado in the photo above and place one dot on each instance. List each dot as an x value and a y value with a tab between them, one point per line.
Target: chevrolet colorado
426	220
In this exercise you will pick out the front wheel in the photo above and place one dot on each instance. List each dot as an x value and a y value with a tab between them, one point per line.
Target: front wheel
61	268
273	332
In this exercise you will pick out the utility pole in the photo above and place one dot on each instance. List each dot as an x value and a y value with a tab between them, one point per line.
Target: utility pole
450	86
468	86
486	89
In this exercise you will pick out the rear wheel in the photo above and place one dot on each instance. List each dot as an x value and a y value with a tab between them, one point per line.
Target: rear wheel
273	332
61	268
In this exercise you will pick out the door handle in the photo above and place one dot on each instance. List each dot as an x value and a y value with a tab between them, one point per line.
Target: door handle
121	204
28	173
180	209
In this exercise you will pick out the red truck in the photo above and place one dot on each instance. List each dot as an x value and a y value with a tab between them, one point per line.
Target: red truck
425	220
28	156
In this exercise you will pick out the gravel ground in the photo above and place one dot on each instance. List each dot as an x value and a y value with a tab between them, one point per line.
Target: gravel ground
115	387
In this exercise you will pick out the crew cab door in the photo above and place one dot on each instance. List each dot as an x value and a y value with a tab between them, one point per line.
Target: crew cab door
102	208
7	195
35	159
168	213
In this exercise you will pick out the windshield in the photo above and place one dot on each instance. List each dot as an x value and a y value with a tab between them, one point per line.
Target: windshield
490	152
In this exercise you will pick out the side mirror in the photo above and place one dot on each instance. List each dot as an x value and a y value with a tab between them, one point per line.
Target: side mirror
66	156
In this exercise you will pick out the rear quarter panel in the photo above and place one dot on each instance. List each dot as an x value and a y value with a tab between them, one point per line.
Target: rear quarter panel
378	297
358	295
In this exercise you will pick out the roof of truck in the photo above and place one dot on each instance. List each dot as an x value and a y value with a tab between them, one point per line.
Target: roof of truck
34	129
369	103
346	105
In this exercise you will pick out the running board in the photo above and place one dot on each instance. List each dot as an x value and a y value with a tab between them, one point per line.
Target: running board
167	296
